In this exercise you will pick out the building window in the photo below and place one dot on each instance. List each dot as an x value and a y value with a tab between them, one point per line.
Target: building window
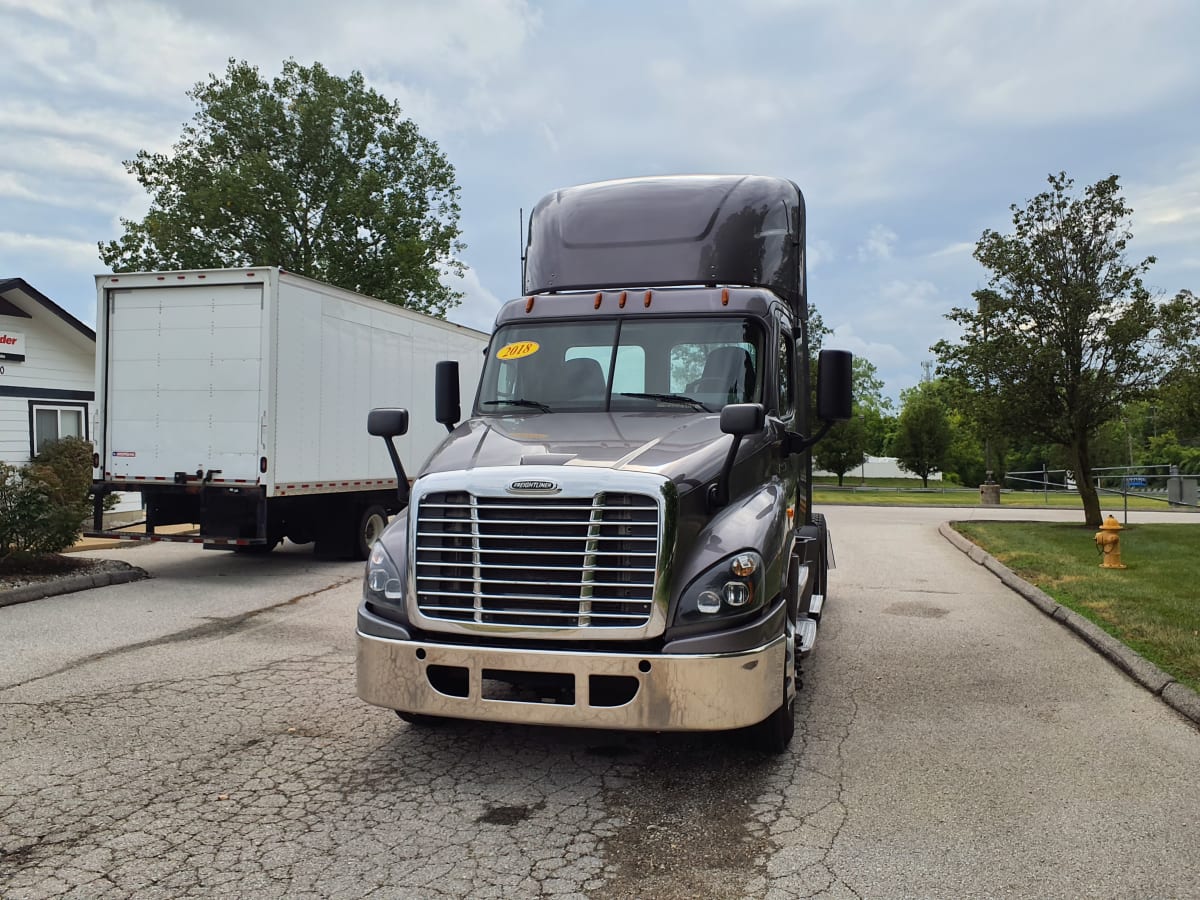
51	422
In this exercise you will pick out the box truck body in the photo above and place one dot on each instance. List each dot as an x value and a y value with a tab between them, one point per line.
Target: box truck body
229	396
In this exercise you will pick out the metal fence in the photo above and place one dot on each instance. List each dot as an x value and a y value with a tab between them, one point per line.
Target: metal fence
1164	484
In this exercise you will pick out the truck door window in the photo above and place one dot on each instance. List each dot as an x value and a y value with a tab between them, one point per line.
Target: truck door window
787	377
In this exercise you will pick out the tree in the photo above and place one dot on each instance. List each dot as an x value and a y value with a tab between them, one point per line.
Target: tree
1065	331
843	448
1179	394
848	443
923	434
315	173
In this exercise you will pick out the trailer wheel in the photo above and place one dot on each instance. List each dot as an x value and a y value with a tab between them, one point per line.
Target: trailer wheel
370	526
774	733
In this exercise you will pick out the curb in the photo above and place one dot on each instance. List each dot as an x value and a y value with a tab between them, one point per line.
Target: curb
1179	697
71	585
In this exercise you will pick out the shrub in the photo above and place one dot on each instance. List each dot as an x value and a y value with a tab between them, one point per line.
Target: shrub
71	460
39	513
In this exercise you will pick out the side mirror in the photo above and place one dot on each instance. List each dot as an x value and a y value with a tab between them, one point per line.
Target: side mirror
738	419
446	394
387	423
835	382
741	419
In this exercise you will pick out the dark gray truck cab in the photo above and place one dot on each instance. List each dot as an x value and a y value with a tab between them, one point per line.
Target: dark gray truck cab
621	534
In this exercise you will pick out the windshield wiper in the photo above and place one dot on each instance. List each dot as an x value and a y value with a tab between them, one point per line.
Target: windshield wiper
540	407
671	398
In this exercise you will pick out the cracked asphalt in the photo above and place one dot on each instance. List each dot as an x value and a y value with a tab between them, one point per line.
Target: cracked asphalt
197	734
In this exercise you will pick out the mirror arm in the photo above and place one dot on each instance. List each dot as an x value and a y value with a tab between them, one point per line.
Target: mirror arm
798	443
718	494
402	489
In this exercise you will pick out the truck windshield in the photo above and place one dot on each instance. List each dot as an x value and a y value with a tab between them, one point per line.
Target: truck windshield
677	365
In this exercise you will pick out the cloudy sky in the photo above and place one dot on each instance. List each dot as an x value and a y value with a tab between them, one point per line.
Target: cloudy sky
910	126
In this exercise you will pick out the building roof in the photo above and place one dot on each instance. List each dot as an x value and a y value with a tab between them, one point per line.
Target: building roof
8	285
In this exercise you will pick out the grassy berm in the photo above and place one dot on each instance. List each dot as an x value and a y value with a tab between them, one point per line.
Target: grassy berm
1152	606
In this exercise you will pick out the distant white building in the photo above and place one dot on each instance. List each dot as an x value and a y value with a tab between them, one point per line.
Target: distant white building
47	372
879	467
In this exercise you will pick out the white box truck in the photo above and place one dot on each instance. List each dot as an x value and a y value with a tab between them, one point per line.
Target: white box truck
233	399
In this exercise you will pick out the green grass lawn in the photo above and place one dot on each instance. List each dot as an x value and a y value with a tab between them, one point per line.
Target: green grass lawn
1153	606
907	495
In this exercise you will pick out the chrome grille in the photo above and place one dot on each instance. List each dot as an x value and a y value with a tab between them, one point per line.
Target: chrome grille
542	562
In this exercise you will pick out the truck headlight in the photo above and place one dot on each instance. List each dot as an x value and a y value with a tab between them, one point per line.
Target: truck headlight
732	587
383	583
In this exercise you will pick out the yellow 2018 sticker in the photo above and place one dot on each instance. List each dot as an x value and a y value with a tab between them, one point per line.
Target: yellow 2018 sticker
518	350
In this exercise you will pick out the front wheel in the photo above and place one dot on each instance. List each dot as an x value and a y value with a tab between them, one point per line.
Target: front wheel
821	585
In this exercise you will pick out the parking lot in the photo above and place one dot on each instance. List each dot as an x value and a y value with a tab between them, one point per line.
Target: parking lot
197	734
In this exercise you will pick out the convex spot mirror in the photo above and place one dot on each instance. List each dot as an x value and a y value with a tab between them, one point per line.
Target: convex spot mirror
835	382
742	419
387	423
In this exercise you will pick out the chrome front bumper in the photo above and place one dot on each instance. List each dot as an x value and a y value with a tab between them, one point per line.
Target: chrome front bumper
710	692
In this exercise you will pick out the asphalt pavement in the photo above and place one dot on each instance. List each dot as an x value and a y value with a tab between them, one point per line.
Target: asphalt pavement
197	734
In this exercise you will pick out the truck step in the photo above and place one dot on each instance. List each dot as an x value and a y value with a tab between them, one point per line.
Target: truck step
806	636
815	604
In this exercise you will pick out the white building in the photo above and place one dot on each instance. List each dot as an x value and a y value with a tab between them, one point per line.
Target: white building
879	467
47	372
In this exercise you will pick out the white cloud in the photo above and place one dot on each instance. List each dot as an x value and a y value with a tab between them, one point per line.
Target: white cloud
69	252
819	253
959	248
878	245
479	306
93	125
928	117
1168	211
881	353
56	157
1024	61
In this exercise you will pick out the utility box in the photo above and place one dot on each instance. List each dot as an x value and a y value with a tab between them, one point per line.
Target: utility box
1181	489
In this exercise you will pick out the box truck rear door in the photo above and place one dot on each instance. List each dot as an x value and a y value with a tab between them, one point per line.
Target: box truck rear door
184	373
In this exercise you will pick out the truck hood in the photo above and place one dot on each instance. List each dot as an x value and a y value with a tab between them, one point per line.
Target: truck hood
687	448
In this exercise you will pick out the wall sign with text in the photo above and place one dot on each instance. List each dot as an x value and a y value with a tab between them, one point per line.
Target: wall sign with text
12	346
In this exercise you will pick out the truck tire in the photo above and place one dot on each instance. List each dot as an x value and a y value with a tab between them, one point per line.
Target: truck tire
774	733
371	523
821	585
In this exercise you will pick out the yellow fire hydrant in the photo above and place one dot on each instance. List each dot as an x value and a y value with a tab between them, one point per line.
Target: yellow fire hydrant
1108	542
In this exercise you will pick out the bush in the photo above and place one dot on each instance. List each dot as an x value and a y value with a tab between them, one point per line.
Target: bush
70	459
39	511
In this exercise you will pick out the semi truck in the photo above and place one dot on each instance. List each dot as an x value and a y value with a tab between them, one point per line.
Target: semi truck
620	534
233	400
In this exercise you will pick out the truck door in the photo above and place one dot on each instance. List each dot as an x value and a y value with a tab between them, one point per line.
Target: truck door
183	374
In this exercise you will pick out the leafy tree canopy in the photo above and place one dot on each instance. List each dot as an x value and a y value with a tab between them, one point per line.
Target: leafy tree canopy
923	434
315	173
842	449
1065	331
